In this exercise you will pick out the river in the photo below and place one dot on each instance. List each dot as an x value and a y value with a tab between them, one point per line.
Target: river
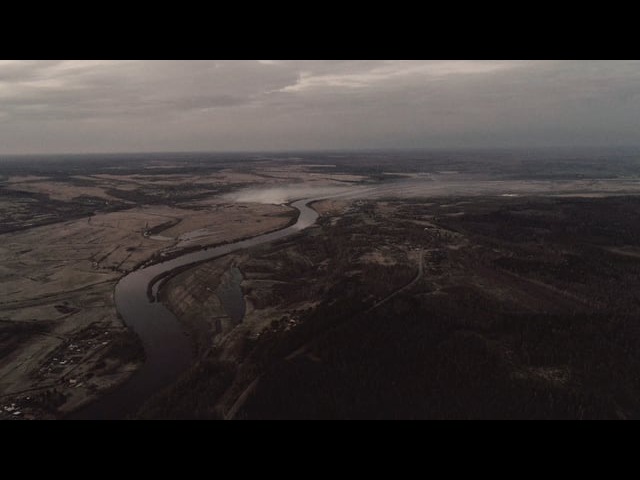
167	348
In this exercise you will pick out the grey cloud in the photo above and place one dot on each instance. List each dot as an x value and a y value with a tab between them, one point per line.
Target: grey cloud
23	70
228	105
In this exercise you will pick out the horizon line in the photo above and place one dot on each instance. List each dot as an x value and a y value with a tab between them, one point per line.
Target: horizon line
319	150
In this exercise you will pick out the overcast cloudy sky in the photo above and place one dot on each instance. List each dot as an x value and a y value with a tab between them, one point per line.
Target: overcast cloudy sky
124	106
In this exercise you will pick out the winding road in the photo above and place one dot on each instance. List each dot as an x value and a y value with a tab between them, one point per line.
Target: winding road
402	289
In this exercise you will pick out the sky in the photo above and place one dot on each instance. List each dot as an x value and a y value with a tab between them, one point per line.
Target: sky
84	106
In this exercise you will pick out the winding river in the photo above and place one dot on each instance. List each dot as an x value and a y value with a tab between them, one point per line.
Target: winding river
167	348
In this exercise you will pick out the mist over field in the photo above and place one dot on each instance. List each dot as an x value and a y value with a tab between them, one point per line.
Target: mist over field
286	193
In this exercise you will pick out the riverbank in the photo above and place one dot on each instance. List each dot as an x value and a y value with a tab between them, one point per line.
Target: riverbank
167	348
55	294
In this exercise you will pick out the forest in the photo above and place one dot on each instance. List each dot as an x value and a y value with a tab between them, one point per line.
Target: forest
520	314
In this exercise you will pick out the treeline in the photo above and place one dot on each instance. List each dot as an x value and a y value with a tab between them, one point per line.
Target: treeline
417	358
465	354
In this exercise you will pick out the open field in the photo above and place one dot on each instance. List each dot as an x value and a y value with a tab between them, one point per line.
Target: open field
58	290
